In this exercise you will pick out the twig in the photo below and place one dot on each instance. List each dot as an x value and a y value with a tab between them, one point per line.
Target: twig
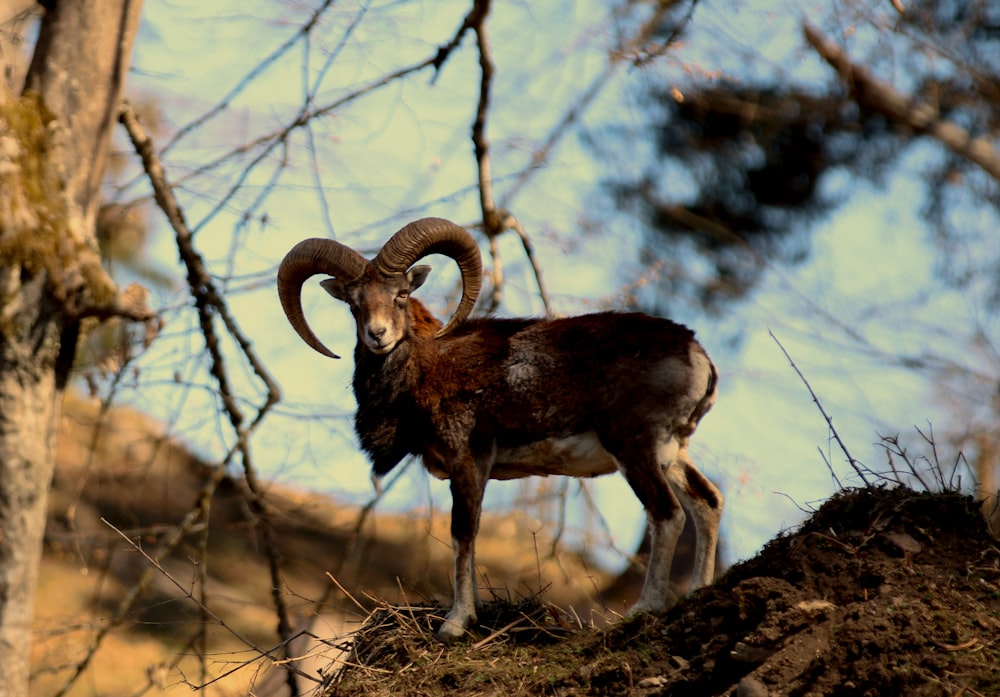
346	592
359	523
561	518
880	96
829	420
946	485
892	447
208	612
807	511
307	112
500	632
247	79
201	581
529	252
191	520
829	466
209	303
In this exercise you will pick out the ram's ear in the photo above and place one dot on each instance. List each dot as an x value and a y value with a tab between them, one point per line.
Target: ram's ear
336	288
417	275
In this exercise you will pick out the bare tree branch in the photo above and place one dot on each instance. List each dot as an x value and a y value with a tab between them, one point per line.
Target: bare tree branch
491	219
248	79
921	117
495	220
194	518
210	303
858	467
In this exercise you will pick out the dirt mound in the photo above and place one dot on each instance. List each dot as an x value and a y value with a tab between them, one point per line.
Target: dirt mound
882	591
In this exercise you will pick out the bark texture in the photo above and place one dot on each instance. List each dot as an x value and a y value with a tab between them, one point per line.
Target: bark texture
54	141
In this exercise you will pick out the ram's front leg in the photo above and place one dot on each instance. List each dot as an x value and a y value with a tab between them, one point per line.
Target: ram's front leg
468	483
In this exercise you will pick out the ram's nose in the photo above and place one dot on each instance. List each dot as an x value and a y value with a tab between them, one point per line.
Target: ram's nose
377	338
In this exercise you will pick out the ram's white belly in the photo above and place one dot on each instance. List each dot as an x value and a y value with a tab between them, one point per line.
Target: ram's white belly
574	456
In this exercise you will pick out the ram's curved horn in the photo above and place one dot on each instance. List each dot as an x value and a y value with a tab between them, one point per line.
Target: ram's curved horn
308	258
436	236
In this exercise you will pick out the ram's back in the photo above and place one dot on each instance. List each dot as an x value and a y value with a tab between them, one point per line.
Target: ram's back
555	386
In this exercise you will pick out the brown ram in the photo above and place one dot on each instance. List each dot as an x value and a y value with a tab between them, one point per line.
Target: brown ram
485	399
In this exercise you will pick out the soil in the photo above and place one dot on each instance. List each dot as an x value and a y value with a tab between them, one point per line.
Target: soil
883	591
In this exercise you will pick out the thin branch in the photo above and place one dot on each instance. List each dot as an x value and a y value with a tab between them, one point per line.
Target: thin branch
829	466
252	75
153	561
380	491
858	468
328	63
194	517
201	583
207	297
893	448
880	96
209	303
529	252
496	273
262	652
318	183
307	112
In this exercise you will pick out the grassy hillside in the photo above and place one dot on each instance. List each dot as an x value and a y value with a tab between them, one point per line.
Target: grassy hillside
120	490
881	592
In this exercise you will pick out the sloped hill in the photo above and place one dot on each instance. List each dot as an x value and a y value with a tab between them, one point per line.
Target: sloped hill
881	592
121	481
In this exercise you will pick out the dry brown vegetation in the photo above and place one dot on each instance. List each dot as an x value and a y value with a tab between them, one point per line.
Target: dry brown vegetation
122	486
882	591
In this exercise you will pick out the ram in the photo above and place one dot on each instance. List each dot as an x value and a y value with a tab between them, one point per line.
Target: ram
481	399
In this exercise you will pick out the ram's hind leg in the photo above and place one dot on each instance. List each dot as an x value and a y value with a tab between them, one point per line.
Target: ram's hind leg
644	473
703	501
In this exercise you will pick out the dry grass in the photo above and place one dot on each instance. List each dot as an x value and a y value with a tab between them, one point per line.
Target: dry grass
394	651
120	468
882	591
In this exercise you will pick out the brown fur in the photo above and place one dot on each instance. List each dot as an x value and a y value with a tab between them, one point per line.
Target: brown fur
507	397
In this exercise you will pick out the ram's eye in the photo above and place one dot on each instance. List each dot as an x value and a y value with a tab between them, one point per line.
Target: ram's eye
403	294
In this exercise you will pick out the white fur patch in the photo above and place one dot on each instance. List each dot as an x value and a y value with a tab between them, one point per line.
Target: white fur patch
574	456
521	375
667	451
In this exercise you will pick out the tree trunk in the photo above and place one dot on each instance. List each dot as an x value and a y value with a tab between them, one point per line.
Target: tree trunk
54	141
28	413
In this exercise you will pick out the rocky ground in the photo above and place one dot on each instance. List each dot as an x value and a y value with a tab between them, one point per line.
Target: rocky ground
883	591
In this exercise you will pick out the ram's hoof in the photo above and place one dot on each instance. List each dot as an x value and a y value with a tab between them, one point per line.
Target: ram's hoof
451	630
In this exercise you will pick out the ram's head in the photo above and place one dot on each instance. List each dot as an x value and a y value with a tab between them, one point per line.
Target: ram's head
377	291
